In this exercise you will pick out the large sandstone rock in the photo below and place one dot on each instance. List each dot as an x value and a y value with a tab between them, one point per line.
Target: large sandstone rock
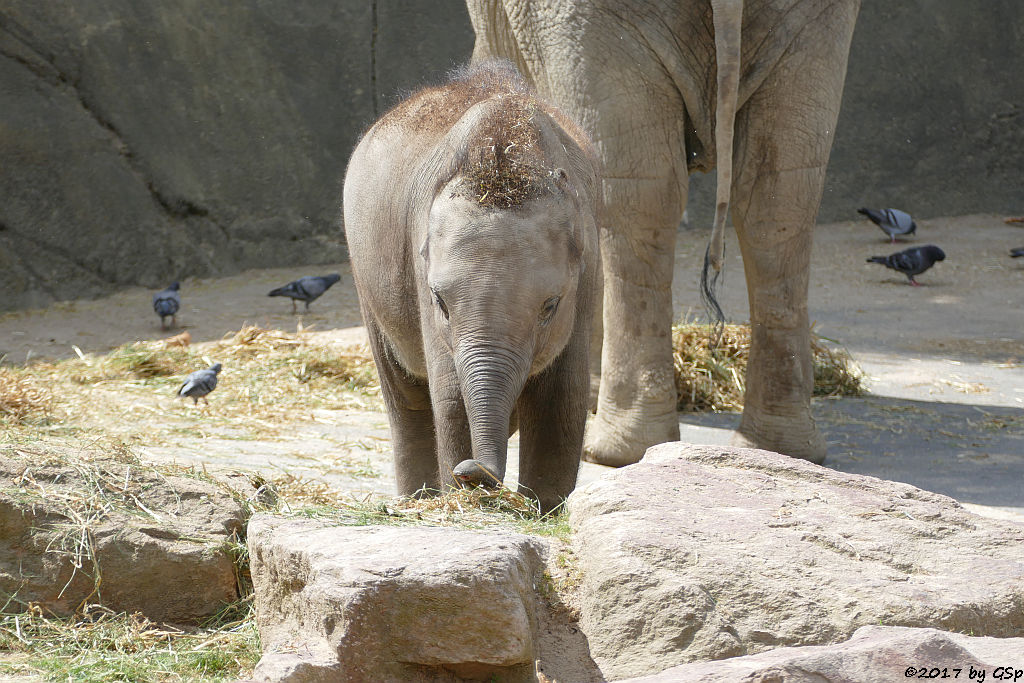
392	603
702	552
123	536
875	653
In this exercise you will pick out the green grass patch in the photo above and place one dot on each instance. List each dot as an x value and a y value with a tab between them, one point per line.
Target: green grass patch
98	645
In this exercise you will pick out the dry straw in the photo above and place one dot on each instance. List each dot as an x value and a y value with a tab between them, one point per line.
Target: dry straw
22	397
100	645
272	376
85	486
710	373
269	377
506	165
475	507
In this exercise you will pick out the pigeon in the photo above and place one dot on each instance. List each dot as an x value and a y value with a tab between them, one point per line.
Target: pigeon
306	289
913	261
167	303
1019	251
200	383
892	221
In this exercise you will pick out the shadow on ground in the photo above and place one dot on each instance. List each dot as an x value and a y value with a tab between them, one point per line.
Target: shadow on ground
972	453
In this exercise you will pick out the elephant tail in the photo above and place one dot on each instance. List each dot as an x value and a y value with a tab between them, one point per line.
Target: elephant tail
728	20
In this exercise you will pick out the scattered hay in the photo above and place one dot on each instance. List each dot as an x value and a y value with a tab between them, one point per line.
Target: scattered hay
269	377
466	507
468	503
88	487
272	377
183	339
710	376
963	387
143	360
22	396
835	371
100	645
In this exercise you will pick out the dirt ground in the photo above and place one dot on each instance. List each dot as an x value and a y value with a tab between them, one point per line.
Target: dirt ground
944	360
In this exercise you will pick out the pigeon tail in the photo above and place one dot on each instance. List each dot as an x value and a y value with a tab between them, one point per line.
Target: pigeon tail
875	216
165	307
292	289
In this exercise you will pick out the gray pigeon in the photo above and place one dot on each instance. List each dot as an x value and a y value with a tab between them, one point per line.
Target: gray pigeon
892	221
167	303
306	289
200	383
1019	251
913	261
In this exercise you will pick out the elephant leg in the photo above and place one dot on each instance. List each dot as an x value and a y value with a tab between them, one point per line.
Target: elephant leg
636	405
784	133
552	413
410	415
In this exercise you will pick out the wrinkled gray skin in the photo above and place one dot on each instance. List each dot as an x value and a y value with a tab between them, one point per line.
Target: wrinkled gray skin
456	297
663	89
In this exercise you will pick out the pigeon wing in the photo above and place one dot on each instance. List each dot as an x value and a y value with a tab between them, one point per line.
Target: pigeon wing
166	303
199	383
905	261
313	286
900	220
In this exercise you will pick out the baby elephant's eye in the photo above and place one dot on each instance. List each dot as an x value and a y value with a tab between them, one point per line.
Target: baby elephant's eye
440	303
548	310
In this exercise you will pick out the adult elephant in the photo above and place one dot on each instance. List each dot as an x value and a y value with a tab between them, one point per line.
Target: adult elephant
663	88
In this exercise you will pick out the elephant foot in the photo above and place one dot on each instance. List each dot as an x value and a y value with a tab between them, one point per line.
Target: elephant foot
798	438
475	473
623	441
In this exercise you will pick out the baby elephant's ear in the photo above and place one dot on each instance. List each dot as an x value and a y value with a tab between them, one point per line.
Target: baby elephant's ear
562	181
567	188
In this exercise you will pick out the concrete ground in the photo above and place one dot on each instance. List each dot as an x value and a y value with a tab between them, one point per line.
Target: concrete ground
945	410
944	360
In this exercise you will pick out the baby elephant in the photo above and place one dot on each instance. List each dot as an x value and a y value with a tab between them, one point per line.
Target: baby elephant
470	213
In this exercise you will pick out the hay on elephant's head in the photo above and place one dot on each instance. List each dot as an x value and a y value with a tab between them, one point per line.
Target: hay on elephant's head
710	372
506	166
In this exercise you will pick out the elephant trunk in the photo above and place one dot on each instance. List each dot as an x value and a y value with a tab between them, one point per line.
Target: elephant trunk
491	378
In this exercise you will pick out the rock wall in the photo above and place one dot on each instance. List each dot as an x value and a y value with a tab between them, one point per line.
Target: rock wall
145	142
933	114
